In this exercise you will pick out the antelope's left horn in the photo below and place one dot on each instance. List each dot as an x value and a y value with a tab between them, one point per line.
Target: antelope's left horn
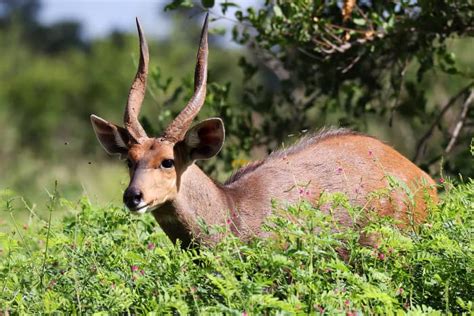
137	92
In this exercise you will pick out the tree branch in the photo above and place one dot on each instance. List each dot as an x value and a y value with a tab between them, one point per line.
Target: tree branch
421	145
460	122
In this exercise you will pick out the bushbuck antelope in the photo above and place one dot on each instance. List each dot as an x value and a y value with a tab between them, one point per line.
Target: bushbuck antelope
166	181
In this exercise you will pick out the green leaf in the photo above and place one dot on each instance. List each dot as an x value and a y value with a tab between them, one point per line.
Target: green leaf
450	58
359	21
226	5
218	31
207	3
277	11
175	4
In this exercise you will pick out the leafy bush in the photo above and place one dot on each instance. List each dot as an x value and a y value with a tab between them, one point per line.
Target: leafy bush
103	259
395	69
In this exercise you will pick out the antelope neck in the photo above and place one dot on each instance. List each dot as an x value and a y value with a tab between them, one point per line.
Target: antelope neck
199	198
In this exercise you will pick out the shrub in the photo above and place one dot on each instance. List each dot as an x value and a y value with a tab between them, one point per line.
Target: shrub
104	260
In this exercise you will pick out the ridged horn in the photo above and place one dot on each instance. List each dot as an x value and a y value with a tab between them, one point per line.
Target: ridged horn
137	92
177	129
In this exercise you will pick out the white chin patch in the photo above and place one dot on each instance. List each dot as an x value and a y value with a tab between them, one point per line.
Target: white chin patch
141	209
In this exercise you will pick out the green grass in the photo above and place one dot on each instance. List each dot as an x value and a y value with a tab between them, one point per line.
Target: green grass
101	259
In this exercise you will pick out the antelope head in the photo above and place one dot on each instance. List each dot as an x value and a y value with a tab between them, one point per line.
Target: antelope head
156	164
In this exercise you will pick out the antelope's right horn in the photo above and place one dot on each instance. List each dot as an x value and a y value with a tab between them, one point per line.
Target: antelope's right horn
177	129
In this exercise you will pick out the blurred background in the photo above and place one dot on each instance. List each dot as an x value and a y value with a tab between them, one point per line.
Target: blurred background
401	71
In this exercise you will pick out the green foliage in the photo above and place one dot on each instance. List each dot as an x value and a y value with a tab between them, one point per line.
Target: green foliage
104	260
369	65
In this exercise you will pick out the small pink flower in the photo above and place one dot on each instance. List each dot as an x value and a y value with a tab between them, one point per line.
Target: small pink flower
228	221
339	170
370	153
400	291
308	193
441	180
301	191
142	272
134	268
150	246
244	313
381	256
347	303
351	313
319	308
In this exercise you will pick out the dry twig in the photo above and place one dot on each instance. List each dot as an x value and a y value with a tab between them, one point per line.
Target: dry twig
421	145
347	9
460	122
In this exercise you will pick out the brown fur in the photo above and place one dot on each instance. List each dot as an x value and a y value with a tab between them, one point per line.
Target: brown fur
334	161
301	144
180	195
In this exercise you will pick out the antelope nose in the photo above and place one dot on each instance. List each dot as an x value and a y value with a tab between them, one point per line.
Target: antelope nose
132	198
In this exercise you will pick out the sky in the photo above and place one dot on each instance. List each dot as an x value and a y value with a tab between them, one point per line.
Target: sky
100	17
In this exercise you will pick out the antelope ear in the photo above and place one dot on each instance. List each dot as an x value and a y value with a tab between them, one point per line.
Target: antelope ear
113	138
205	139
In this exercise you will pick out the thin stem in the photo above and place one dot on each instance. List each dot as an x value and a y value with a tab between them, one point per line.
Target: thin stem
51	207
76	287
19	233
398	91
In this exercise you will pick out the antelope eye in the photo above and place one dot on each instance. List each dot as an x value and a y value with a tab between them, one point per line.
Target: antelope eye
167	163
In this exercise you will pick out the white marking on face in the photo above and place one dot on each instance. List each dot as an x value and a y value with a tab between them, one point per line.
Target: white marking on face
141	209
